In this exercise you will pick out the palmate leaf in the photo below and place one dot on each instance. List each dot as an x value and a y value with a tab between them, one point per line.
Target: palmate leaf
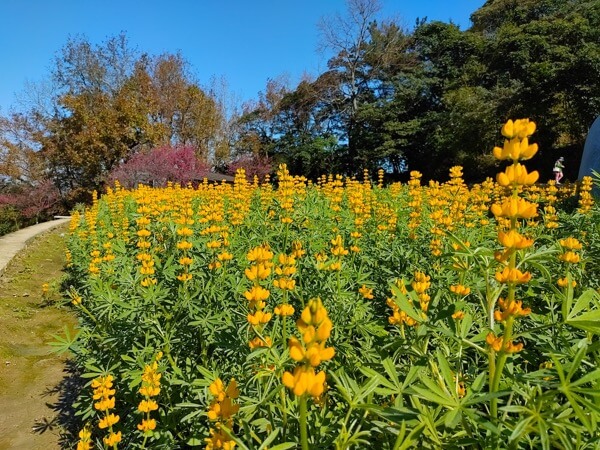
582	316
65	343
405	306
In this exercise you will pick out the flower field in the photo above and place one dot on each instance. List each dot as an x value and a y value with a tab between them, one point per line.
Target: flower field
341	313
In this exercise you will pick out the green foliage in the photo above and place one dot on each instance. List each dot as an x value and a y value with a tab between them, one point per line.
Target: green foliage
389	386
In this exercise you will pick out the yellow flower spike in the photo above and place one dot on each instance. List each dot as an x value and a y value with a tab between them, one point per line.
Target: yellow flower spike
184	245
570	243
512	239
284	310
257	294
296	349
258	342
257	272
508	129
112	439
517	175
494	342
147	425
458	315
232	389
515	208
515	276
217	389
185	261
366	292
564	282
570	257
147	406
108	421
459	289
510	309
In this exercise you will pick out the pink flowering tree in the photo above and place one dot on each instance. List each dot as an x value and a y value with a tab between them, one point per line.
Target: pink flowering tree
32	203
252	164
160	165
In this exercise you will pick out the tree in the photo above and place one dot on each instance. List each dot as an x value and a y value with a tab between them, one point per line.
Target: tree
112	103
347	36
160	165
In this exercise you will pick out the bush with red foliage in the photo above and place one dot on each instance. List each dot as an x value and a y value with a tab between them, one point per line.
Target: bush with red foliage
159	166
33	203
252	164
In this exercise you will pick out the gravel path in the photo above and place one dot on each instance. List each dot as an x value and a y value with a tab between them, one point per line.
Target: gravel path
13	243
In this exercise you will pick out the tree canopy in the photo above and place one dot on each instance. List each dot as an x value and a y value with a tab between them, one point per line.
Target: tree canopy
421	99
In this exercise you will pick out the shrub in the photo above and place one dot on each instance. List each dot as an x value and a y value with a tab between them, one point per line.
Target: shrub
159	166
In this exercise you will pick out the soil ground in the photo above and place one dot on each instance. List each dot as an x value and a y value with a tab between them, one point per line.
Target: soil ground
32	378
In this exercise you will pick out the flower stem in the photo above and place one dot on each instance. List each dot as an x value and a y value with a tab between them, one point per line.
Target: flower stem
303	430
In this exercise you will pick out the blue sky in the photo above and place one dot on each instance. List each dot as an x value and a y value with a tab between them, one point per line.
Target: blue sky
244	41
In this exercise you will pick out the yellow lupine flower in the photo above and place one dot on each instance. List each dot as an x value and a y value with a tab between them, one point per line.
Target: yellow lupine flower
513	149
259	254
564	282
147	425
256	294
185	261
184	245
509	275
259	317
258	342
510	309
366	292
515	208
112	439
519	128
570	243
517	174
512	239
459	289
496	343
147	406
570	257
458	315
305	381
284	310
257	272
108	421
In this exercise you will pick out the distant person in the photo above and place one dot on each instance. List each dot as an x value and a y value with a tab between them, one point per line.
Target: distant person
558	169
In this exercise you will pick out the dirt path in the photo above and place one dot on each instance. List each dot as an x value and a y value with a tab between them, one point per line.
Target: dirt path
30	375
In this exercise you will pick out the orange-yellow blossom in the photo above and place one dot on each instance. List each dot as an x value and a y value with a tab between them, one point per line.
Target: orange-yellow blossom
285	284
366	292
517	175
259	317
570	243
112	439
108	421
459	289
146	425
256	294
513	239
147	406
515	208
564	282
258	271
496	344
570	257
284	310
508	309
510	275
519	128
305	381
260	254
258	342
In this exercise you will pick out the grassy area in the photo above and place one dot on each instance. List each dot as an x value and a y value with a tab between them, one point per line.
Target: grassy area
30	374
